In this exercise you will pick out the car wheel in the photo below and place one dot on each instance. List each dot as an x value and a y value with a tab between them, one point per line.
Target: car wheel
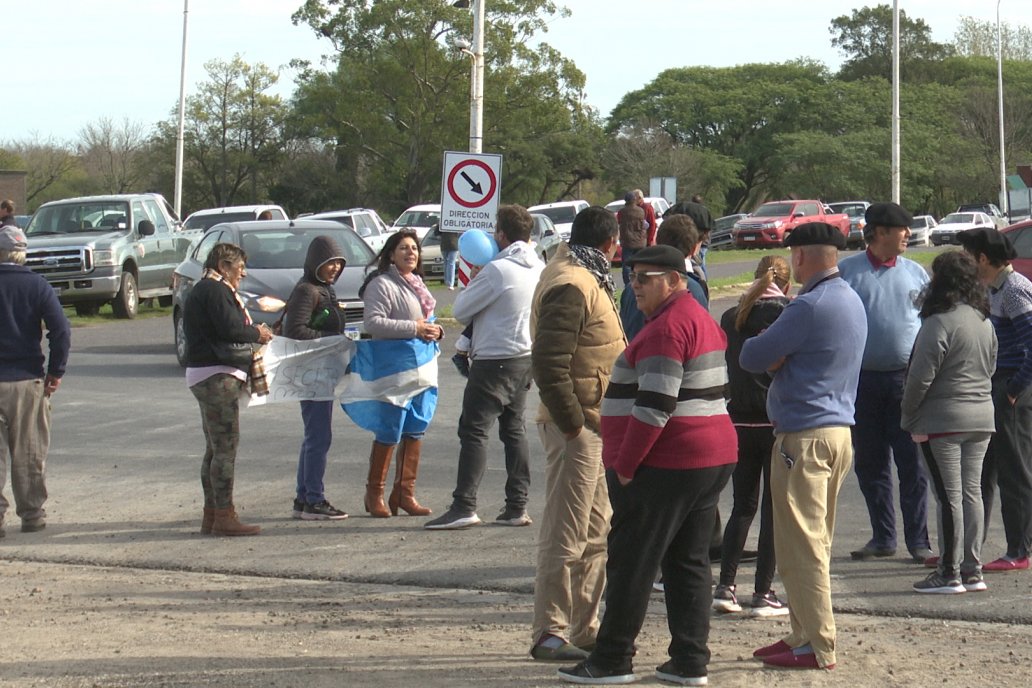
179	334
87	308
127	302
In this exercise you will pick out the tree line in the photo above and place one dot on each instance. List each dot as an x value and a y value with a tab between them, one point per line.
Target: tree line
368	127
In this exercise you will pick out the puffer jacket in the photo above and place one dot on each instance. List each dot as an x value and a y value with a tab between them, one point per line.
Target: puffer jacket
311	296
576	337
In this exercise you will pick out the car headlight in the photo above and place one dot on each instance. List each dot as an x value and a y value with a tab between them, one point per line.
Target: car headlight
103	258
266	304
772	225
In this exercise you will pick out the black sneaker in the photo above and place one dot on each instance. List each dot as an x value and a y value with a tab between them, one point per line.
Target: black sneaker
767	604
453	520
299	507
724	600
942	585
588	674
512	517
33	526
670	673
323	511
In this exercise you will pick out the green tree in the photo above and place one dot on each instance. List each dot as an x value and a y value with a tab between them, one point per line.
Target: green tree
398	96
977	38
865	38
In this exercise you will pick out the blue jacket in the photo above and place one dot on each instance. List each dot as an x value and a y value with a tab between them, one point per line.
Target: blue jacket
26	302
820	335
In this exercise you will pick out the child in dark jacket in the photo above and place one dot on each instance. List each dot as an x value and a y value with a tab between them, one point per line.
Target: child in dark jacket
312	312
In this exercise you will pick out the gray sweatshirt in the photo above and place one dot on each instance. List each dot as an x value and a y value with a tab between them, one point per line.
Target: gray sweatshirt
949	380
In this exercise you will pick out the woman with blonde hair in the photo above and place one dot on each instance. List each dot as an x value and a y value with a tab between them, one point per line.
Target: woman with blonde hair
758	308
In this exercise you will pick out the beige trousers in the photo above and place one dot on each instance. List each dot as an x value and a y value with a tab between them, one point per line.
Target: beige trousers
805	496
25	438
571	569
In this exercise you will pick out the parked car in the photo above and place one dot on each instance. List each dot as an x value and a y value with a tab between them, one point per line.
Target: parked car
855	211
201	220
544	238
561	214
990	209
276	251
722	235
1020	235
419	218
946	231
921	230
366	223
107	249
770	223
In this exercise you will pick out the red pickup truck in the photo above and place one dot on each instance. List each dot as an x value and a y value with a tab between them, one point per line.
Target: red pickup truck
769	224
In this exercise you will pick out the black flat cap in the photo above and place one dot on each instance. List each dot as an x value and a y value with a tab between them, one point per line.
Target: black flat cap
660	256
816	234
887	215
989	242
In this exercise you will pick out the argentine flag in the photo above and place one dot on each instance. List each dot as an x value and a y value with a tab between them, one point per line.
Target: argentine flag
391	387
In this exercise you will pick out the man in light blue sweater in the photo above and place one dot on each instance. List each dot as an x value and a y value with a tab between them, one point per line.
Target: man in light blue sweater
887	284
812	346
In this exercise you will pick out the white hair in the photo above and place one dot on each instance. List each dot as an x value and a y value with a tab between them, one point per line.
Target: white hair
16	256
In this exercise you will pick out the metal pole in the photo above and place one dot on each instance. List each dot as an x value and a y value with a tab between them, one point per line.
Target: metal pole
476	106
1004	200
182	115
895	102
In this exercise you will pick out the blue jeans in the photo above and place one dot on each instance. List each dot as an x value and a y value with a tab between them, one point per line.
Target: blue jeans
450	258
311	463
878	442
625	255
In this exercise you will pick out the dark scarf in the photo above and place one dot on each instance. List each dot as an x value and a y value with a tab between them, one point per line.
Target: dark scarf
595	262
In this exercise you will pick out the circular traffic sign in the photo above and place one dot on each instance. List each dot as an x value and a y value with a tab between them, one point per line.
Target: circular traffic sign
468	190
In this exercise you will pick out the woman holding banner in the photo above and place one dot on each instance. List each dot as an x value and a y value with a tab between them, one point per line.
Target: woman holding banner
312	312
398	306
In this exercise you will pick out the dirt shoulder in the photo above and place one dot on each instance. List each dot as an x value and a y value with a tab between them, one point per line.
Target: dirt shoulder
68	625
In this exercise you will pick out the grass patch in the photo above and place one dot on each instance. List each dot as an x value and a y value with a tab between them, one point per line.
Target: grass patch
739	255
148	309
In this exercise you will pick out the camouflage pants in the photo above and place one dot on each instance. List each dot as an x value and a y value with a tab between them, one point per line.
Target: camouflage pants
219	399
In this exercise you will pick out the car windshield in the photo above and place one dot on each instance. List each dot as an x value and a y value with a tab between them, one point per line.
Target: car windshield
418	218
919	223
774	210
850	209
69	218
210	220
957	218
271	249
561	215
726	222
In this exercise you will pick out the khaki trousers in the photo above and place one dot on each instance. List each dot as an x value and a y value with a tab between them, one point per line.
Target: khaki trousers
571	569
25	438
804	496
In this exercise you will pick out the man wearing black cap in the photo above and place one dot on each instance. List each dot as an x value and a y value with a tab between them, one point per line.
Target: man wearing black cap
1008	460
812	347
887	283
669	448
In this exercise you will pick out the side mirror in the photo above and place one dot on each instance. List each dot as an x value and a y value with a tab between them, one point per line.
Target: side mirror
146	227
549	232
797	215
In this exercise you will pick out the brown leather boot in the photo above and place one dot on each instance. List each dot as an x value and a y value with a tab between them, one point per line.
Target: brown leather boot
379	464
207	520
403	495
227	523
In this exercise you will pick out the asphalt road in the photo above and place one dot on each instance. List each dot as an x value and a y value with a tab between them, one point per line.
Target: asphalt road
123	481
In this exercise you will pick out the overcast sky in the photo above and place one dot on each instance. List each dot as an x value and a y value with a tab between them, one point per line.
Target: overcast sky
73	62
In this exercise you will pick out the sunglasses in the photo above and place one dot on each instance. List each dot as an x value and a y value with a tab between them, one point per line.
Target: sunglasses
644	277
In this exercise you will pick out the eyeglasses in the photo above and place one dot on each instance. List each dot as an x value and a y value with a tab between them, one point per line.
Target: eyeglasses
644	277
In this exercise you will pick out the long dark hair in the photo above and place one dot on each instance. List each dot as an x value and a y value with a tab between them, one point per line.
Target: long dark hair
382	262
954	281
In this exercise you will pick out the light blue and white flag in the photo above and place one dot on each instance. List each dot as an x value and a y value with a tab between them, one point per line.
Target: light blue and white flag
391	387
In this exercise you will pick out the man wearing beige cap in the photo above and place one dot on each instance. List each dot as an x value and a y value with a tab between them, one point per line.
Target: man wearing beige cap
26	301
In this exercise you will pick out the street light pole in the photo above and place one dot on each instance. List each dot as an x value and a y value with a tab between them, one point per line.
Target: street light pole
476	105
178	199
895	103
1004	196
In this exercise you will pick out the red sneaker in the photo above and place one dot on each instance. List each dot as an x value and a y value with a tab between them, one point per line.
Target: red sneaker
776	649
791	660
1007	564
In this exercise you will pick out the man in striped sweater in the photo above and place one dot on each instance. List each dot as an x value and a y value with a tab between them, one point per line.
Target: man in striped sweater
1008	461
669	447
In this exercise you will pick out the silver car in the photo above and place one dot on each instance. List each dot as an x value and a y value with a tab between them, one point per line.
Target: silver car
921	230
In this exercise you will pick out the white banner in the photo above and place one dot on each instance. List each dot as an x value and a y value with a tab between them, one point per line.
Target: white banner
305	370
